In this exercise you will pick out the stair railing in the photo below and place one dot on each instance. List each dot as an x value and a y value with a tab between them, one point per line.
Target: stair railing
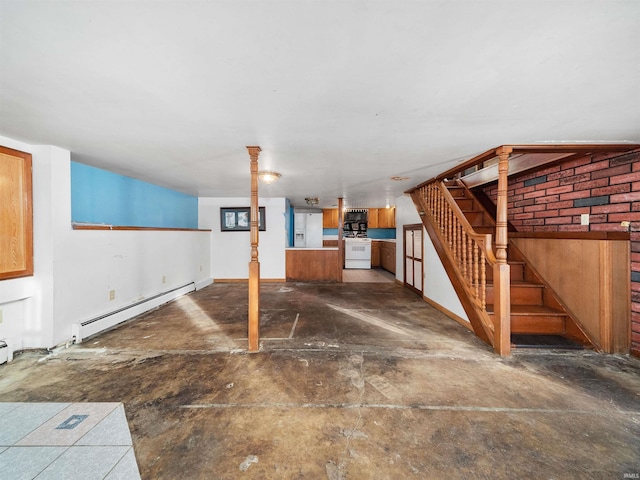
470	251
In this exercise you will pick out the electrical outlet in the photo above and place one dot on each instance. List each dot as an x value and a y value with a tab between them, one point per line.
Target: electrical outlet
164	279
112	294
584	219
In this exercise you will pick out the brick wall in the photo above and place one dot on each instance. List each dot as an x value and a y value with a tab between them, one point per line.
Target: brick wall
606	187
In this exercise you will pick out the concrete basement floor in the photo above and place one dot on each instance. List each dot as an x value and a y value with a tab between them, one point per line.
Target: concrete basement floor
354	381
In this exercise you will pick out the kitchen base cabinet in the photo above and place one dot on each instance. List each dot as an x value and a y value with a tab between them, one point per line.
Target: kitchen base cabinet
375	253
388	256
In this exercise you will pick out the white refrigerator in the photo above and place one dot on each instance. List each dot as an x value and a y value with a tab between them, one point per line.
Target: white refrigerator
307	231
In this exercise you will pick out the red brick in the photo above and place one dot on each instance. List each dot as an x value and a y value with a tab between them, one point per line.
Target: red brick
524	203
575	179
625	197
515	210
618	207
574	195
622	188
635	257
601	182
592	166
557	190
635	206
597	218
626	178
545	185
558	220
607	227
535	208
623	217
563	174
545	214
576	163
574	211
636	166
610	172
573	228
547	199
626	158
523	216
546	228
534	194
635	266
524	190
564	204
534	221
635	186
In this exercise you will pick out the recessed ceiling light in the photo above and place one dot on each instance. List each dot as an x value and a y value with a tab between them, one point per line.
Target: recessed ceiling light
400	178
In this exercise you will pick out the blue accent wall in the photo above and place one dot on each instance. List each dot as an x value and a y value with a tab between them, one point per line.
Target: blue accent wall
102	197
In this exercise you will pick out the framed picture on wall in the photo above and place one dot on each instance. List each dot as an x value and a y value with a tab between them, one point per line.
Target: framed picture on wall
238	219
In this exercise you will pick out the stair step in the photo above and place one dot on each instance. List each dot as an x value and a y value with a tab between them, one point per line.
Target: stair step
477	218
457	191
465	203
522	293
517	271
535	319
545	341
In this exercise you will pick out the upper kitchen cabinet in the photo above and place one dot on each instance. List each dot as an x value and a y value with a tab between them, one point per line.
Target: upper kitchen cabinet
329	218
382	218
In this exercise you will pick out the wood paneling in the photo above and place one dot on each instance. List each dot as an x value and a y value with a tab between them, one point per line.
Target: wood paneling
16	217
321	265
591	278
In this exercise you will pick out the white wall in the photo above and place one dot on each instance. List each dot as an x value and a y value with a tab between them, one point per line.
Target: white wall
74	270
436	284
231	251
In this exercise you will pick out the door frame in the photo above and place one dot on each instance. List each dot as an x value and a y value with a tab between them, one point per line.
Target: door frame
405	229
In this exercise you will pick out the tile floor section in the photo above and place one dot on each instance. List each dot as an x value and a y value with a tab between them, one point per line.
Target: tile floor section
70	441
374	275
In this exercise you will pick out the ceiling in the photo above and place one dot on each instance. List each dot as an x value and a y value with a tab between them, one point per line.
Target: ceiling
340	95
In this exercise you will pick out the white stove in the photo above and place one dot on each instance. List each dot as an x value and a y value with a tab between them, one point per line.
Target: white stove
357	253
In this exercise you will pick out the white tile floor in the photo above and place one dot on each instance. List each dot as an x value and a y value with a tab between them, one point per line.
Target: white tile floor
71	441
374	275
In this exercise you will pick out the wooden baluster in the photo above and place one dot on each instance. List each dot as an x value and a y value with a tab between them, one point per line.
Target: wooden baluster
475	268
454	236
483	281
463	243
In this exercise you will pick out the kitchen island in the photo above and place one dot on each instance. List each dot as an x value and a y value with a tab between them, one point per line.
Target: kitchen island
322	264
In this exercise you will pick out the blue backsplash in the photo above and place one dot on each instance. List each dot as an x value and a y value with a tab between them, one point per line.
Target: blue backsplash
375	233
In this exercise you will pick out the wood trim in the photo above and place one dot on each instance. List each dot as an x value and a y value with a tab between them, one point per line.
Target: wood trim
246	280
81	226
573	235
449	313
16	218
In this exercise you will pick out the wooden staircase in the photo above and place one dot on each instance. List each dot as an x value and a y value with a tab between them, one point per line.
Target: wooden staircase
535	309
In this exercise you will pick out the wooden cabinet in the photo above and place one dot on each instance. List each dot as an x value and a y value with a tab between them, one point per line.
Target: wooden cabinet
372	218
375	253
377	218
329	218
388	256
386	217
382	218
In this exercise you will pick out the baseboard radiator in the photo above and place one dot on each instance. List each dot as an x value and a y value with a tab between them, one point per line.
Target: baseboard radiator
83	330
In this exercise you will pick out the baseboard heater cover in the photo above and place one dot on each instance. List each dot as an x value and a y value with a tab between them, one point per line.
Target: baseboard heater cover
82	330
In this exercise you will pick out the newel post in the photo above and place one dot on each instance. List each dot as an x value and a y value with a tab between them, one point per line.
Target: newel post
501	271
254	264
